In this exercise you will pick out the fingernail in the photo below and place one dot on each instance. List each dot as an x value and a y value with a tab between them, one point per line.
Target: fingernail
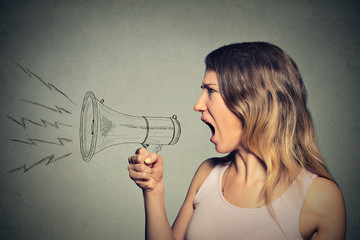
147	160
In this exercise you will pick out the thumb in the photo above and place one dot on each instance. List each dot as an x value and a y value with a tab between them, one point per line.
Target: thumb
148	161
152	159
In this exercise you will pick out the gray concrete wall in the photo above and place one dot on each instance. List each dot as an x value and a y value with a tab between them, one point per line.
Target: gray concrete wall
146	58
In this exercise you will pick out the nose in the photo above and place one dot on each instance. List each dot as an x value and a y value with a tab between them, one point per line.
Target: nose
200	105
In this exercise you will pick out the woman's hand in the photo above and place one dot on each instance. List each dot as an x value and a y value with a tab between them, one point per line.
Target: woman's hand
146	170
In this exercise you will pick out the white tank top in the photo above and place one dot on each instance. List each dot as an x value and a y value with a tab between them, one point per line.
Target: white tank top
215	218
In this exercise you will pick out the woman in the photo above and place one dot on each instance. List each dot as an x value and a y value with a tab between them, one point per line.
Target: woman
273	184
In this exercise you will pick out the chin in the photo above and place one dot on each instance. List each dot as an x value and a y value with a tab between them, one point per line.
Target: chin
222	150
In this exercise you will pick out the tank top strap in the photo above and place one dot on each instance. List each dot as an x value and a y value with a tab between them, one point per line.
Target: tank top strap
211	183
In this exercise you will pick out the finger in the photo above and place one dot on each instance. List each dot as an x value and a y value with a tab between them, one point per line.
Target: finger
139	168
142	151
136	159
139	176
130	159
143	184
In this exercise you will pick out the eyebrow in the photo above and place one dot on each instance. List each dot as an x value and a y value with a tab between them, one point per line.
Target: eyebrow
208	84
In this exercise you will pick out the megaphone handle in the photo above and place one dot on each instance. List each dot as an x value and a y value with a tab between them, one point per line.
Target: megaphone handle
152	148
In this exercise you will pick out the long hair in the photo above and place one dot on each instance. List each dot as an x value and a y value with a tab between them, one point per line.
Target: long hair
262	85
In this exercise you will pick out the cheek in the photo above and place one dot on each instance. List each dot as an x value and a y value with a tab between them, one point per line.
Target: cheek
235	130
229	124
232	122
230	140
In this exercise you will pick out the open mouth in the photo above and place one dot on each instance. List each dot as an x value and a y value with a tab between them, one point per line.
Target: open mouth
211	127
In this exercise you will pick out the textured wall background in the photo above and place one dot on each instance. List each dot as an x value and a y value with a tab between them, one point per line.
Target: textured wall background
146	58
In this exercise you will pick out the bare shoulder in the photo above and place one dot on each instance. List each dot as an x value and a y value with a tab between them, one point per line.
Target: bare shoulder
207	165
324	194
203	171
324	209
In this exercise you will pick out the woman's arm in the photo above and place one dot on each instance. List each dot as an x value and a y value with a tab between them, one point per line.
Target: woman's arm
156	222
323	214
147	172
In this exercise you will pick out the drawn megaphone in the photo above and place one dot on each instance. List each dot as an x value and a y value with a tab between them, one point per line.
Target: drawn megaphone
102	127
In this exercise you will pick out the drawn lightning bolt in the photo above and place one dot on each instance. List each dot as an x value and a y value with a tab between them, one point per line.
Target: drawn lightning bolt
50	86
44	123
49	159
56	109
32	141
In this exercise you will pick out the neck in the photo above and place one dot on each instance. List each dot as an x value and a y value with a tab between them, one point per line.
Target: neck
248	168
244	180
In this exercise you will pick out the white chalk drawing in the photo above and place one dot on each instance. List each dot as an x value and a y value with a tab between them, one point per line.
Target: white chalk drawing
102	127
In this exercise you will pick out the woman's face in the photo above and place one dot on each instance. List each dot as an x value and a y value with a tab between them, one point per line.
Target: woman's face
225	126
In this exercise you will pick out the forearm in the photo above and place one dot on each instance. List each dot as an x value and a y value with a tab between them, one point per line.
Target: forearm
157	225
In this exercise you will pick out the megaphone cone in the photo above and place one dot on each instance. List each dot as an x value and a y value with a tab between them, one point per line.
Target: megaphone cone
102	127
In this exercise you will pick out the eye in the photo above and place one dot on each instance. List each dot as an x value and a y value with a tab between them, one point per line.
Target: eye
210	90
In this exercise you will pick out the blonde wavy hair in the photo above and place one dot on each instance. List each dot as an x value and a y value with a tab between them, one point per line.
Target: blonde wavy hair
262	85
